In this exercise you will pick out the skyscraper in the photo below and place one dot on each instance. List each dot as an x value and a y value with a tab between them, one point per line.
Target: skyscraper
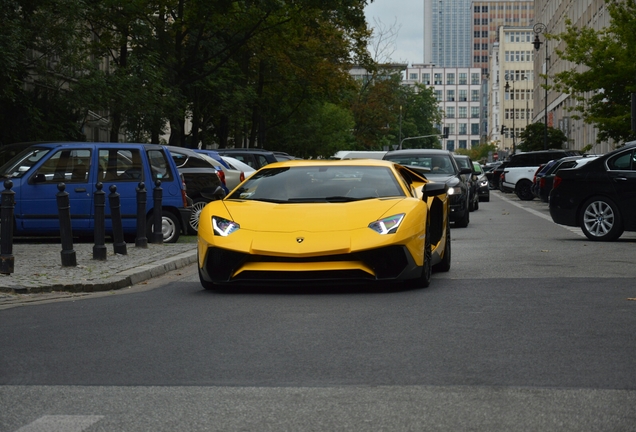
448	43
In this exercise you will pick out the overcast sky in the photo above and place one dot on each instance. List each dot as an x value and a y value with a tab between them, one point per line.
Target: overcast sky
408	16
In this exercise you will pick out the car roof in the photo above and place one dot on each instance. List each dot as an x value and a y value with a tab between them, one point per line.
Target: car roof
330	162
417	151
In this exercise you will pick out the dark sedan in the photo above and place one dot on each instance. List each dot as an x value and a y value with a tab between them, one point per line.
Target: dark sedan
599	197
440	166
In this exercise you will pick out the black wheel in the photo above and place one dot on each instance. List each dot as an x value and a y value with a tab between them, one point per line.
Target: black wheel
197	207
476	202
170	227
600	220
445	264
464	220
471	203
206	284
524	190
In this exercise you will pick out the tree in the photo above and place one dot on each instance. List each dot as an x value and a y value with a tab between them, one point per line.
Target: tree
607	73
532	138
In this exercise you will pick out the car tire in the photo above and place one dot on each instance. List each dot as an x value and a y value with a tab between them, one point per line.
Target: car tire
476	206
464	220
206	284
523	190
445	264
170	227
600	219
197	207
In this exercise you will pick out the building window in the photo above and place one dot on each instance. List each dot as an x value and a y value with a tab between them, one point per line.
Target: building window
450	95
463	112
438	95
474	143
484	46
474	128
476	47
462	144
438	79
474	112
476	34
463	95
450	145
463	78
477	21
413	76
484	21
426	78
450	112
474	95
484	33
474	77
450	79
477	9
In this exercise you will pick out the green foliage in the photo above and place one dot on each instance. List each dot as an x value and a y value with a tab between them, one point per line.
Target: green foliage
607	73
479	153
533	138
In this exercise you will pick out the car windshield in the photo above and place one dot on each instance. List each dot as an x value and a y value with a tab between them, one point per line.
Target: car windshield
437	164
319	183
22	162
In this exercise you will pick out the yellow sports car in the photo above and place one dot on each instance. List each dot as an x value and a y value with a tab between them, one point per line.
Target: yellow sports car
323	221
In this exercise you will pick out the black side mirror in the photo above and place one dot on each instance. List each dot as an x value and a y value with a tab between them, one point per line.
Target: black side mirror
433	189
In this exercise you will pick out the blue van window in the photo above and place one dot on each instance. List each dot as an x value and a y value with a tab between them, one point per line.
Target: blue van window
22	163
159	166
120	164
68	166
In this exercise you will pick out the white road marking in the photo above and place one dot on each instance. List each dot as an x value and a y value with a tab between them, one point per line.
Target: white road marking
61	423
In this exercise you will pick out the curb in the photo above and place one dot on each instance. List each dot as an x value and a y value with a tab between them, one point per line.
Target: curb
120	280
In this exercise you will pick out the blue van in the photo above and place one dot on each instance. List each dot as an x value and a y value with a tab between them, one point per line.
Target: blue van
39	168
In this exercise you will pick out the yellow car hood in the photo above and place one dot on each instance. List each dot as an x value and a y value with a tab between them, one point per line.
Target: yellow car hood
309	217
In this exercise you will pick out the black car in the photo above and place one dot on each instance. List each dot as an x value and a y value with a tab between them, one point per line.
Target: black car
545	182
495	176
472	179
599	197
440	166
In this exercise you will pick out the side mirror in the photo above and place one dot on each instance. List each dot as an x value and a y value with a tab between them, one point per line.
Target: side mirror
39	178
433	189
465	171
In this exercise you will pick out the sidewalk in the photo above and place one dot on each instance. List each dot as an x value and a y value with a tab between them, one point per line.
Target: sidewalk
38	268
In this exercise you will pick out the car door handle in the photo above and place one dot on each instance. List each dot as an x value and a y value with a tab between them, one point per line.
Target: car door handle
80	189
620	178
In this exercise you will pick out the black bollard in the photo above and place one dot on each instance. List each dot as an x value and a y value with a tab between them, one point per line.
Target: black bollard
119	245
141	240
6	233
157	232
66	230
99	249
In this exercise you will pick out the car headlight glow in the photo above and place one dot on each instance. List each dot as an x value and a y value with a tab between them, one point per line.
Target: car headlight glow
452	191
223	227
388	225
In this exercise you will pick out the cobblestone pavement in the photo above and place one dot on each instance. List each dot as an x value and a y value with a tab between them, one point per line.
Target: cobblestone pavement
38	268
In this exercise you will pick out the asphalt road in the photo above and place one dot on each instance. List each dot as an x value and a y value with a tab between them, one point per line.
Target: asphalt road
531	330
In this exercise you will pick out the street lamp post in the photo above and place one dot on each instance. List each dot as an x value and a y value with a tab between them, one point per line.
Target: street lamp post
538	29
508	87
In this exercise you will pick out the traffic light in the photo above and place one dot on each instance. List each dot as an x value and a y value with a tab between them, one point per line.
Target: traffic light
503	129
445	134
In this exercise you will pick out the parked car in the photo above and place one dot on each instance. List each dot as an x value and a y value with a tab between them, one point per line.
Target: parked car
37	171
541	171
495	177
466	162
545	181
202	181
440	166
254	157
351	221
598	196
483	190
239	166
488	171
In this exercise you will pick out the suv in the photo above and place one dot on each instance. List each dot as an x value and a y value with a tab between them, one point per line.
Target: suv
254	157
519	173
37	171
440	166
